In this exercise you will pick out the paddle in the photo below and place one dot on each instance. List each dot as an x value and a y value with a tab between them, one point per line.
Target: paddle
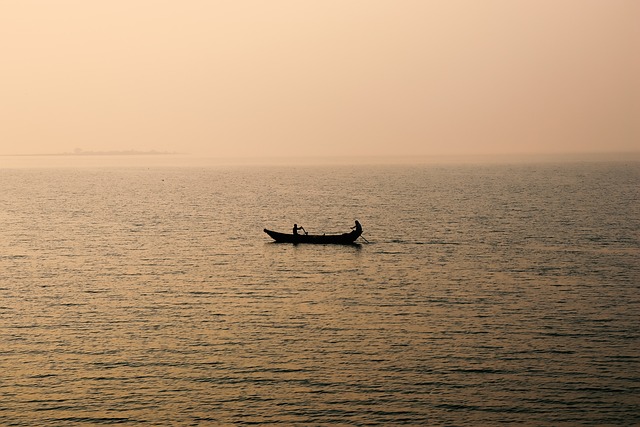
362	237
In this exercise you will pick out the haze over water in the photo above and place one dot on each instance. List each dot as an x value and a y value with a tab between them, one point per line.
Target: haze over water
488	294
333	78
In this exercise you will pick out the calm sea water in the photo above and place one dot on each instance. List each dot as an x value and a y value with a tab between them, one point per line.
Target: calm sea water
496	294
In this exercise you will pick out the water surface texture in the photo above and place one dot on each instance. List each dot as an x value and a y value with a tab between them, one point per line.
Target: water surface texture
491	294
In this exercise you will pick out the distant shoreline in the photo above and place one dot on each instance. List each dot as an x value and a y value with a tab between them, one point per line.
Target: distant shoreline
97	153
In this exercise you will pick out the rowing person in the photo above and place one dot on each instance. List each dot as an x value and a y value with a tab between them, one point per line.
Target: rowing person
356	227
296	228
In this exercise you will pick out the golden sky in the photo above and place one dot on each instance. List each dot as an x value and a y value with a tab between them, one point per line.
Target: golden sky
320	78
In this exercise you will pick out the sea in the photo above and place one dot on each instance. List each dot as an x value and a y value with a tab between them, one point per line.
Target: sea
480	294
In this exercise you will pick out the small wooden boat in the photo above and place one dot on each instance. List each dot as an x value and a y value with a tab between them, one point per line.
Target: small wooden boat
324	239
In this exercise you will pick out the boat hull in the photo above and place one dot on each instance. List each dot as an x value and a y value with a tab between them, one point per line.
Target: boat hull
325	239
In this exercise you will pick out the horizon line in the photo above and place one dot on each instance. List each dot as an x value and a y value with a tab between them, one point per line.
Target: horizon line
133	158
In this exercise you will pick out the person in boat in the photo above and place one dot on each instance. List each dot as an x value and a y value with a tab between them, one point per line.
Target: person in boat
357	228
296	228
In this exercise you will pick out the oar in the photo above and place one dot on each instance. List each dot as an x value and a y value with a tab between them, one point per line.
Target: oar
362	237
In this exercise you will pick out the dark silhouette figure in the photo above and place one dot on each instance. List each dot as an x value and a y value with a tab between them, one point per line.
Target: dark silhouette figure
296	228
357	227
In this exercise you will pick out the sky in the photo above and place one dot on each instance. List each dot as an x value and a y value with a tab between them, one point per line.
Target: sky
302	78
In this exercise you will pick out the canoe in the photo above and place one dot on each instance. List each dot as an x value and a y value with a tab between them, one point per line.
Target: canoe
324	239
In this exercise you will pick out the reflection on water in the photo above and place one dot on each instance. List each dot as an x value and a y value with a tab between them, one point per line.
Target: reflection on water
488	294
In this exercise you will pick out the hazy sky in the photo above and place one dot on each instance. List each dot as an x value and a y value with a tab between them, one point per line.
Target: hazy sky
320	78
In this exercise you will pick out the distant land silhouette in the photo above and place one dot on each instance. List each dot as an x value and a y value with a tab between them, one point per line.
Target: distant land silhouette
80	152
